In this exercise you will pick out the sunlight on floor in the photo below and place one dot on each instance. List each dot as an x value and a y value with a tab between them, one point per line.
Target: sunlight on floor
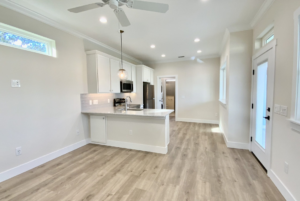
216	130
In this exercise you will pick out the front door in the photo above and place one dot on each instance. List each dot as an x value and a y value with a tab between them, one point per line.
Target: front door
262	99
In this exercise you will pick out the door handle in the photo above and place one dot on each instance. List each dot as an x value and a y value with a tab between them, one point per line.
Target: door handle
268	118
269	109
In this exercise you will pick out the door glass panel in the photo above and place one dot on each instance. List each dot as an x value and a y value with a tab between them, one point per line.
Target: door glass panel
261	102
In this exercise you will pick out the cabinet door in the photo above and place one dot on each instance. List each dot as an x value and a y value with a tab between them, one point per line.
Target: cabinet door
151	76
146	74
98	129
127	68
115	80
133	77
103	71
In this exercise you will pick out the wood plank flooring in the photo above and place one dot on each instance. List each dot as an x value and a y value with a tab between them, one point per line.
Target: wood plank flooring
198	167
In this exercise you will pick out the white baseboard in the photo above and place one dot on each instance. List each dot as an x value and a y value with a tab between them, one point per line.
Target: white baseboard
134	146
281	187
39	161
203	121
235	145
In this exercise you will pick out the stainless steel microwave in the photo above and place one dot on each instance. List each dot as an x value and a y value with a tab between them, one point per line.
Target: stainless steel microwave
126	86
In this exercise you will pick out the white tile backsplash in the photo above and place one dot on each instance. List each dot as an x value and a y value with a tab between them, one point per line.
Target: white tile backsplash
102	100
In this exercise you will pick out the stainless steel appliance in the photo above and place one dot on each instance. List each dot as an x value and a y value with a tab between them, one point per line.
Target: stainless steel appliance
126	86
148	96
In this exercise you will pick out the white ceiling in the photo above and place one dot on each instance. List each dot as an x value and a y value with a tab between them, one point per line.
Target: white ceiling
173	33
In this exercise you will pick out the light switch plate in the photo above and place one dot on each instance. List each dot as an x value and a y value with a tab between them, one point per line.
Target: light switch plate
95	102
277	108
284	110
15	83
91	102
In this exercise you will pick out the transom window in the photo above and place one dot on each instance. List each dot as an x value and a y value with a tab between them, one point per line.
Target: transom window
268	37
223	83
21	39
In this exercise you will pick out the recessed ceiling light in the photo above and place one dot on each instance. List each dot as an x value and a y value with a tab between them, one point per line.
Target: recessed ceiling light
197	40
199	51
163	55
152	46
103	20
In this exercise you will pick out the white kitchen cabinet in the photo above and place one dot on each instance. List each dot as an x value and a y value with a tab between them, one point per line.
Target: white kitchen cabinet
146	74
133	77
114	78
127	68
98	129
103	72
151	76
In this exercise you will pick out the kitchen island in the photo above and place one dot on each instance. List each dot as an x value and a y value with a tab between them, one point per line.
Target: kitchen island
145	130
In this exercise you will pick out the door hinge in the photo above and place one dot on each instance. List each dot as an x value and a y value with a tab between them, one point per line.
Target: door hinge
252	106
253	72
251	138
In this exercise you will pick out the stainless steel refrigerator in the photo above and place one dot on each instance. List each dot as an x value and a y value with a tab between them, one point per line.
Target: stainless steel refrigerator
148	96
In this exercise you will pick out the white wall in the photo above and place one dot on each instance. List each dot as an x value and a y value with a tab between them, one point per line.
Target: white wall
285	142
44	114
198	87
235	115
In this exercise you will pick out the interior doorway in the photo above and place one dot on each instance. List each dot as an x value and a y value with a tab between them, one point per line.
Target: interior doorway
262	104
167	93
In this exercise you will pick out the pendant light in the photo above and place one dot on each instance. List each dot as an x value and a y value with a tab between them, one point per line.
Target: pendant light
122	72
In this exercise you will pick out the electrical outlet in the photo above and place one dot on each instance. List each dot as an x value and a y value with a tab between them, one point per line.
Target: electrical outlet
286	167
130	132
108	101
91	102
15	83
277	108
18	151
284	110
95	102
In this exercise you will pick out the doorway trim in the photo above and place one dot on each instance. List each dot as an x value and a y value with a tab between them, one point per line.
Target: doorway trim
269	47
176	92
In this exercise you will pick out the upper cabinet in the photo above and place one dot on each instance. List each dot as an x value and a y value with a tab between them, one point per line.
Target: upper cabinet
102	71
147	74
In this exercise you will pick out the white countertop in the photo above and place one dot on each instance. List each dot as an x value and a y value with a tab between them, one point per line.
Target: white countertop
115	111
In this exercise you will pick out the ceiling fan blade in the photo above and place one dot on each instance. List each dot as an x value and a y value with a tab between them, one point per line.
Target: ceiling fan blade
150	6
200	61
86	7
122	17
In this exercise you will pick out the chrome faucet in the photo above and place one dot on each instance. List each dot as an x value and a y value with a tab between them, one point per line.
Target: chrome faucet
127	102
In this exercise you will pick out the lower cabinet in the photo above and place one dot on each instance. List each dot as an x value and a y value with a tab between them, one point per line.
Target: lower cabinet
98	129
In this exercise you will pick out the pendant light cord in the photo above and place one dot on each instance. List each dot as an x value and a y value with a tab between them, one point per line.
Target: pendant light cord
121	32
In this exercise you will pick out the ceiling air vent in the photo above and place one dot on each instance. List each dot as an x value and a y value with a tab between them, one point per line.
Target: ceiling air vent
181	57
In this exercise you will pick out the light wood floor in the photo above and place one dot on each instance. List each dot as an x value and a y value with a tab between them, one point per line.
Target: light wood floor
198	167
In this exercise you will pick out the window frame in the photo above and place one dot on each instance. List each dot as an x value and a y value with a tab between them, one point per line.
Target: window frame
268	36
51	46
295	105
223	83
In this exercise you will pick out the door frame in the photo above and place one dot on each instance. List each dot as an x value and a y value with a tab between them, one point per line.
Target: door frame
272	62
158	83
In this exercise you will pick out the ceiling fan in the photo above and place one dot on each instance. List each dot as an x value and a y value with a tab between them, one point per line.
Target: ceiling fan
197	59
116	4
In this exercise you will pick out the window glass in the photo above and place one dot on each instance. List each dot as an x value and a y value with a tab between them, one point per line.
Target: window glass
270	39
22	42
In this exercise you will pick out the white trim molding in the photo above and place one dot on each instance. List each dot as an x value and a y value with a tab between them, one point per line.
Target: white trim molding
26	11
281	187
262	10
235	145
41	160
294	120
134	146
202	121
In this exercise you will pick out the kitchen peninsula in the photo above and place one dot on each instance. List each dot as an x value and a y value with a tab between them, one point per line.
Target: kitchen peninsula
145	130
